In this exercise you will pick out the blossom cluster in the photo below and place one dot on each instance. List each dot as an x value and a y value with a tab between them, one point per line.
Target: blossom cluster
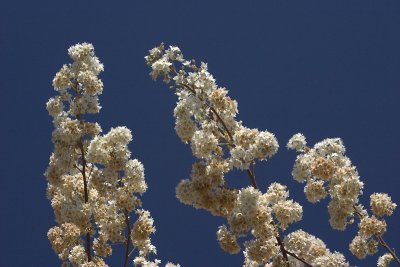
371	228
93	185
206	118
327	171
313	250
205	114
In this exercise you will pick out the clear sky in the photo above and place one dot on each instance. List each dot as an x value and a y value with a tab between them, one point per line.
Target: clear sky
323	68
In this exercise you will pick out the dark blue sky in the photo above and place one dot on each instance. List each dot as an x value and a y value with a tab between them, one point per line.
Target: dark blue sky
323	68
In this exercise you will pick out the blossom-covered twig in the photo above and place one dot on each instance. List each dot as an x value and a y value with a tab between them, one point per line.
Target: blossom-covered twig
205	117
328	172
221	121
380	238
86	196
92	182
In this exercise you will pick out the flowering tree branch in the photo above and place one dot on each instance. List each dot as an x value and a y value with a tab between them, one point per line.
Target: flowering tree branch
326	168
248	171
380	239
92	182
205	117
221	121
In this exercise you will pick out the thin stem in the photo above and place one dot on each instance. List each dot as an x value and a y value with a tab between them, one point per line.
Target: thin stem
76	167
83	171
282	247
128	240
130	253
252	179
128	227
86	196
278	238
253	164
387	247
90	173
225	144
221	121
298	258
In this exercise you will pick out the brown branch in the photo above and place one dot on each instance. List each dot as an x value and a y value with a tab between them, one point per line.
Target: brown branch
282	247
83	171
128	227
252	179
86	196
76	167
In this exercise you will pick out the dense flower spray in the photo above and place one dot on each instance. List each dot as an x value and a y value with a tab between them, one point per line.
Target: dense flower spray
328	172
206	118
93	185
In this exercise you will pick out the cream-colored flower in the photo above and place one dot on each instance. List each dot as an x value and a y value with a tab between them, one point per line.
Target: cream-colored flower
385	260
297	142
227	240
381	204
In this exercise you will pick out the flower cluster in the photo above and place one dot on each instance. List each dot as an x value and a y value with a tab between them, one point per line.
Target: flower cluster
327	171
92	181
371	228
206	118
205	114
256	213
385	260
262	215
313	250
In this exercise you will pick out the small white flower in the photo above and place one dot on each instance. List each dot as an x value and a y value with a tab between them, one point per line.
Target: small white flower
297	142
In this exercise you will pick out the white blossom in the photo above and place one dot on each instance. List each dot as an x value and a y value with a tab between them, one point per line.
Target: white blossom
297	142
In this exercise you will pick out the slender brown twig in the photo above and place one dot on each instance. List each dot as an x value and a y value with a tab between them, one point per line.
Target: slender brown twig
83	171
282	247
298	258
86	196
383	243
128	240
252	179
128	227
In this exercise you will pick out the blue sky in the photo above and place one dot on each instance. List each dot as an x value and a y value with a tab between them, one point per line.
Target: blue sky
323	68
